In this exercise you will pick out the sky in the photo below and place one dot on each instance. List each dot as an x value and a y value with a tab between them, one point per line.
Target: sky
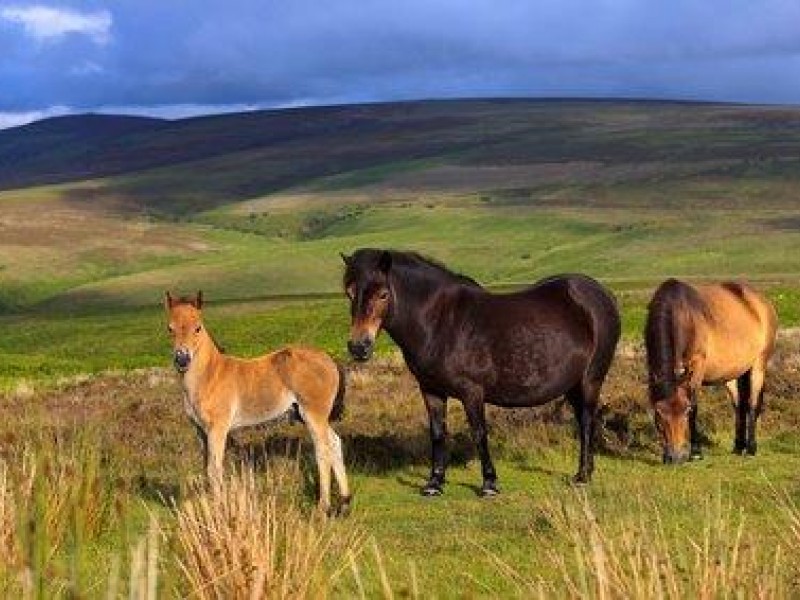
176	58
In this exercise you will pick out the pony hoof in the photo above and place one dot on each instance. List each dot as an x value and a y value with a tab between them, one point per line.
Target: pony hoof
738	450
345	507
489	491
695	456
431	491
580	480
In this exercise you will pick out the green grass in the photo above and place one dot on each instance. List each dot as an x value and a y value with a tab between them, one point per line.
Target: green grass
504	192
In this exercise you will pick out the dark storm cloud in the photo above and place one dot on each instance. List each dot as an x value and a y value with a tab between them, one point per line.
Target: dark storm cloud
151	53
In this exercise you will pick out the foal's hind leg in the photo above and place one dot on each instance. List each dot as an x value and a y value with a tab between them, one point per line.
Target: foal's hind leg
318	428
583	399
339	470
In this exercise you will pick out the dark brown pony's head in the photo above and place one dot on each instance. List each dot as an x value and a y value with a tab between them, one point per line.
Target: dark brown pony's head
184	324
366	283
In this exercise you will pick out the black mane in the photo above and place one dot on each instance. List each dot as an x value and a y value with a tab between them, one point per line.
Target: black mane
404	265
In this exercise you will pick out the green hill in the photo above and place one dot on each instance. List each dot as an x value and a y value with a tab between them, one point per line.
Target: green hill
254	208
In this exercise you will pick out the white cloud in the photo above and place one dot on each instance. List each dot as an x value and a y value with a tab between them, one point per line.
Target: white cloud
46	24
15	119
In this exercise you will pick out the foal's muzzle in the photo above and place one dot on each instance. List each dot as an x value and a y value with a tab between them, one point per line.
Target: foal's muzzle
182	358
361	350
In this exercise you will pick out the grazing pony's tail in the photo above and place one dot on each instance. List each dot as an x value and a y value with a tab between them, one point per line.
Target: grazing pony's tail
337	410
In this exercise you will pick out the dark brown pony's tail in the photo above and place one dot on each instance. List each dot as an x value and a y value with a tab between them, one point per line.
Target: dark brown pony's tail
337	410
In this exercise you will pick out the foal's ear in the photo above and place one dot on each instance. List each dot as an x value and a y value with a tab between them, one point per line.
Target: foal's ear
198	301
168	301
345	259
385	261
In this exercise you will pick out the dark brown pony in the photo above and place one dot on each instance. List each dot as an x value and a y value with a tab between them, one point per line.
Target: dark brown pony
705	335
512	350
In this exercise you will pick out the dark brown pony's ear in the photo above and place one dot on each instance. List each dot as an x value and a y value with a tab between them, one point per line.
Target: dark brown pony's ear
198	301
168	301
385	262
345	259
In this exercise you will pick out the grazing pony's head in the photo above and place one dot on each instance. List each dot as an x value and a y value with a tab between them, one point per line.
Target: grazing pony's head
184	324
366	283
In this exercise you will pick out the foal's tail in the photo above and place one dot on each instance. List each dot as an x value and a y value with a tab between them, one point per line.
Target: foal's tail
337	410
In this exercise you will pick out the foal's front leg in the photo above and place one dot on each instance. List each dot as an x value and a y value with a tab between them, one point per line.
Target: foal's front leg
216	436
437	415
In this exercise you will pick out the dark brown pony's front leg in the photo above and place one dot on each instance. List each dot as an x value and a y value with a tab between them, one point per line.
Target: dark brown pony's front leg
476	415
437	414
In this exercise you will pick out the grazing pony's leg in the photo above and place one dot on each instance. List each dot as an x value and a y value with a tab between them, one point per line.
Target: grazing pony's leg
743	392
339	470
583	399
696	452
476	415
755	406
437	414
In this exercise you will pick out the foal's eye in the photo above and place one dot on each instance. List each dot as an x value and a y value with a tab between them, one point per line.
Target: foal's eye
170	328
198	329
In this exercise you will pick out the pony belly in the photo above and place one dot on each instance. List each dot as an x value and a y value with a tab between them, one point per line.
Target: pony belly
253	413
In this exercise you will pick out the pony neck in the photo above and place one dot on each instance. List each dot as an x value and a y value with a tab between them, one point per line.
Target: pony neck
206	357
411	292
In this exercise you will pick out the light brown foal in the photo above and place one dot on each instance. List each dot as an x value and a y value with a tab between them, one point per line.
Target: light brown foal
222	393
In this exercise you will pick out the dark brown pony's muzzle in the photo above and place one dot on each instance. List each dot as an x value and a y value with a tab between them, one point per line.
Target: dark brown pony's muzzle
361	349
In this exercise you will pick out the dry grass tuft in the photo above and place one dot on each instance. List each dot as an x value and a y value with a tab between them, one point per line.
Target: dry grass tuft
245	541
640	558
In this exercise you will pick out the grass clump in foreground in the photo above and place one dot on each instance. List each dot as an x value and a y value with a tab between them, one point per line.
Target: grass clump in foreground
641	556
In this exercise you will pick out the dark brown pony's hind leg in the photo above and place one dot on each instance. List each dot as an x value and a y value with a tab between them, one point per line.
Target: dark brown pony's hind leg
476	415
583	399
742	412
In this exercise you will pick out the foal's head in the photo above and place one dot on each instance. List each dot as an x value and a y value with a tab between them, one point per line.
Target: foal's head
184	324
366	283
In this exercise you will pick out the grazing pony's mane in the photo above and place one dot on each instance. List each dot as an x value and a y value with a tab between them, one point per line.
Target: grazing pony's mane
665	339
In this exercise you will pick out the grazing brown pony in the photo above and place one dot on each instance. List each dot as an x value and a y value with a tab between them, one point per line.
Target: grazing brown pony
703	335
222	393
460	341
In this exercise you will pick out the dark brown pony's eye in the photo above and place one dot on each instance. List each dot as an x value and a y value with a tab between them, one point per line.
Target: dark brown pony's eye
383	295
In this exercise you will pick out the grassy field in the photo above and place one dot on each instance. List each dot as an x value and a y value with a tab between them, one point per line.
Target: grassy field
98	467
